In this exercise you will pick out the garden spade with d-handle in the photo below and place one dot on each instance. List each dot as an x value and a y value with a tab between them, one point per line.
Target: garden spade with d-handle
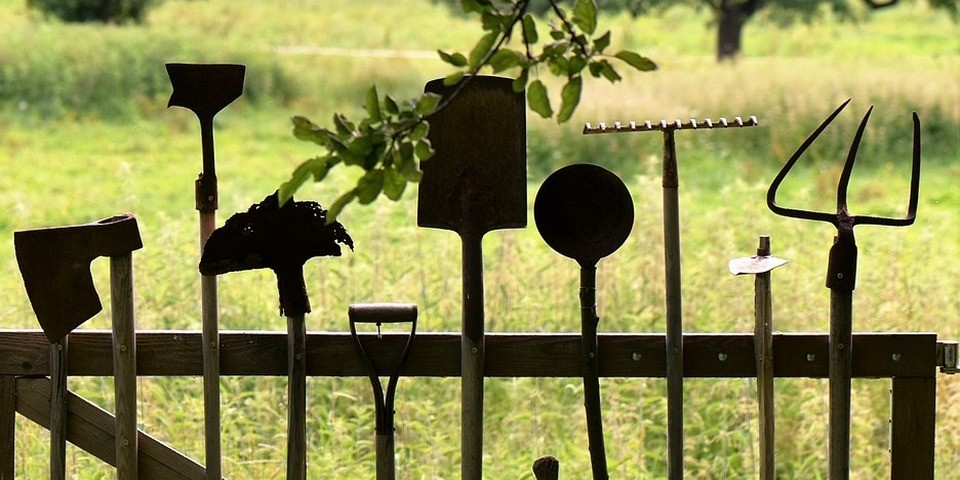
475	183
381	313
206	89
585	212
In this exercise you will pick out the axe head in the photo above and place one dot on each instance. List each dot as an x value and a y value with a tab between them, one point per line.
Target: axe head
205	88
55	265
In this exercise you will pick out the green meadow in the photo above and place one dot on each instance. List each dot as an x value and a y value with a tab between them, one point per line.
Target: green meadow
85	134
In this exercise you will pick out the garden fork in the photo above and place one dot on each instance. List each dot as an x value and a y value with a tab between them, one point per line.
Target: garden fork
841	278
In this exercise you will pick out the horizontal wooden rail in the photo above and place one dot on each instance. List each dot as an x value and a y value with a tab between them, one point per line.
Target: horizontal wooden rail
178	353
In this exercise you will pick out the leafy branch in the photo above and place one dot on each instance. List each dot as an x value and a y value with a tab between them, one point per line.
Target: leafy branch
391	141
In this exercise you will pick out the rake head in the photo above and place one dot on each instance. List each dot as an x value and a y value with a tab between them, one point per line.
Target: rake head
663	125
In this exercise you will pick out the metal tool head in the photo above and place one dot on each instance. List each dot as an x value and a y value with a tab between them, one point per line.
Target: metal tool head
205	88
755	265
648	126
584	212
55	265
841	272
279	238
477	179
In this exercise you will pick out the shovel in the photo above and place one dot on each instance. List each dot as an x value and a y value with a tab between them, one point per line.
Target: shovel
205	90
380	314
475	183
585	212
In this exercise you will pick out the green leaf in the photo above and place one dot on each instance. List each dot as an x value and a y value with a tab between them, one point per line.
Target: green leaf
529	29
636	60
390	105
369	186
602	42
420	131
427	103
453	78
334	211
538	100
585	15
371	104
504	59
455	59
344	127
557	34
521	81
480	50
570	96
576	65
304	129
424	150
609	72
393	184
297	179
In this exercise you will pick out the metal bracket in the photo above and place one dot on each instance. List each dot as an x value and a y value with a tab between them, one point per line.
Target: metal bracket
947	353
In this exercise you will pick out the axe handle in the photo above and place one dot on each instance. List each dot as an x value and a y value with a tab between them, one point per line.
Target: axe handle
58	409
210	334
124	364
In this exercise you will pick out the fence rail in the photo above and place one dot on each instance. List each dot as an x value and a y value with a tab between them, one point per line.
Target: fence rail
909	359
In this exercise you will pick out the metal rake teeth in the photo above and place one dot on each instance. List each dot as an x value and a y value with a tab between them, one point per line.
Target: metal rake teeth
662	125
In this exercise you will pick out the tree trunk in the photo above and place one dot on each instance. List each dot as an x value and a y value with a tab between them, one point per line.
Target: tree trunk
731	16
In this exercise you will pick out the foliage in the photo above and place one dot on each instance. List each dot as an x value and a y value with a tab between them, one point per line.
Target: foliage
107	11
390	142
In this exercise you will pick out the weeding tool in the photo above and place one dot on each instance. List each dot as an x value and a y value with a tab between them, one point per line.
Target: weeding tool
281	239
475	183
671	254
585	212
206	89
760	266
841	277
379	314
55	265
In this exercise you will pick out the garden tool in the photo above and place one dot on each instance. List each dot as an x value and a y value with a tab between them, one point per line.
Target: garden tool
379	314
671	254
841	277
281	239
475	183
206	89
55	265
546	468
760	266
585	212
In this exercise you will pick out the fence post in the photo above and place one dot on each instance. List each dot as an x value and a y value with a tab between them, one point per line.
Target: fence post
8	424
913	430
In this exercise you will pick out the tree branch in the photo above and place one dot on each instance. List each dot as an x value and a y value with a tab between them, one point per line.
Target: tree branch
875	5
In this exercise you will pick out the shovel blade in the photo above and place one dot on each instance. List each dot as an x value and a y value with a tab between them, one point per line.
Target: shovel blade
476	181
205	88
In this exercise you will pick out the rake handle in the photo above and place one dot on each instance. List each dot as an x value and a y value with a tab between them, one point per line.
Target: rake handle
674	315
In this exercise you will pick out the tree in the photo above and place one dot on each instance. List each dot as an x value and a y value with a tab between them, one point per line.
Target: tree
391	141
107	11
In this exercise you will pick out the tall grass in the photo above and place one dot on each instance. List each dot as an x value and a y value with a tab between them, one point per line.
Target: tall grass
65	158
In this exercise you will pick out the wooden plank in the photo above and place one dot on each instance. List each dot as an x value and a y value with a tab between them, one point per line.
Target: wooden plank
124	364
8	426
913	432
92	429
178	353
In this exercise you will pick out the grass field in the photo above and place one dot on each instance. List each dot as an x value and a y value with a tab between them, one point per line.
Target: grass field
84	134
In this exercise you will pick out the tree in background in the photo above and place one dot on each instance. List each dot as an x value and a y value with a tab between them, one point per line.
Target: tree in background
107	11
730	16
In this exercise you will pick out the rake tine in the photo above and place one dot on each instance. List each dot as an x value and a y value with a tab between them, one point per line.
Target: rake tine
709	123
753	120
914	189
633	125
647	125
693	123
723	121
738	121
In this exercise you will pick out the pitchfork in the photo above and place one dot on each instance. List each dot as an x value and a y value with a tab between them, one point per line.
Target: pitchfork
841	278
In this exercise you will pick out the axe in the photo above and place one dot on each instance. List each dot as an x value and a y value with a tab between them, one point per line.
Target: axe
206	89
55	266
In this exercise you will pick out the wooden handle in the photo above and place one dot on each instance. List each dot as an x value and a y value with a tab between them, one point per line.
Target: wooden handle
297	398
841	370
58	409
211	357
124	364
674	347
386	463
763	346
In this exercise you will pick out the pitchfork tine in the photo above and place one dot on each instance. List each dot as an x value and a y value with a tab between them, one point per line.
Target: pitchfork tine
848	164
914	189
772	191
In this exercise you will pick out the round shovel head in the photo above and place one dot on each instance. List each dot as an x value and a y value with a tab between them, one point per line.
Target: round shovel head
584	212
